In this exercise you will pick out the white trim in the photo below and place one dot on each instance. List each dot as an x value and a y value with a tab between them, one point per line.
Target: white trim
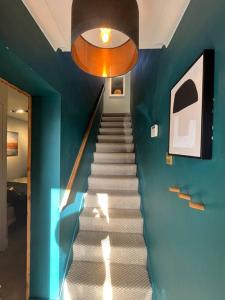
37	17
178	20
124	86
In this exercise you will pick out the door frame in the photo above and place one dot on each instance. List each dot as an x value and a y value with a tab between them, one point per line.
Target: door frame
3	171
28	183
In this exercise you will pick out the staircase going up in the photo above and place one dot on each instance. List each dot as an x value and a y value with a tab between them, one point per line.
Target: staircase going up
109	254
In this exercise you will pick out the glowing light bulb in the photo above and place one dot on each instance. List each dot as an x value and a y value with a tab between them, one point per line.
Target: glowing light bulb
105	35
104	72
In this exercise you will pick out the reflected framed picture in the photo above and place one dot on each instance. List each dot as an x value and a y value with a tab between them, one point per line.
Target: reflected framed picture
12	143
117	86
191	110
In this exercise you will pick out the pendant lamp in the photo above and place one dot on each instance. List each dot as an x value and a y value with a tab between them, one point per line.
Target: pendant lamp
105	36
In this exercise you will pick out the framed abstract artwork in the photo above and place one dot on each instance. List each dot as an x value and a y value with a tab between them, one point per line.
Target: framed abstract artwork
12	143
117	86
191	110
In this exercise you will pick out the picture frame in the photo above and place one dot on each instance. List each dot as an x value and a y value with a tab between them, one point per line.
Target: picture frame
12	143
191	110
117	86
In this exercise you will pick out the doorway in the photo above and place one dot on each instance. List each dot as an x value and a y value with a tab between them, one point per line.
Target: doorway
15	136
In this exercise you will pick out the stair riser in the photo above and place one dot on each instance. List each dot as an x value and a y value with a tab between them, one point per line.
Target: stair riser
113	131
116	119
84	291
114	202
136	256
113	158
99	169
113	184
114	148
115	139
114	225
95	281
116	124
116	115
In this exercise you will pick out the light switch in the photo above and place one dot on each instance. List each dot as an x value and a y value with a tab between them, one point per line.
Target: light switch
154	131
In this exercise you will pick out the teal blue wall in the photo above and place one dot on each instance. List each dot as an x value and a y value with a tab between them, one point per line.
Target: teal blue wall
46	182
63	99
186	247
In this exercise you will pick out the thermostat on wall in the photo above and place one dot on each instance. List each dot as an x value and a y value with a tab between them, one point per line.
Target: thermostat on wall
154	131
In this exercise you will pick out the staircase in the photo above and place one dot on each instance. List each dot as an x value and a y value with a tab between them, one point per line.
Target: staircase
109	254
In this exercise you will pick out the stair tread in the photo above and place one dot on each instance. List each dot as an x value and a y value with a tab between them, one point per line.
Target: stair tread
116	124
113	169
114	157
123	278
116	118
120	193
115	165
127	182
119	134
95	238
116	154
126	139
125	248
119	177
114	199
114	136
115	146
111	213
116	129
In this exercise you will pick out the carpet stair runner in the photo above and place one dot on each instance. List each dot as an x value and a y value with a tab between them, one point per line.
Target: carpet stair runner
109	253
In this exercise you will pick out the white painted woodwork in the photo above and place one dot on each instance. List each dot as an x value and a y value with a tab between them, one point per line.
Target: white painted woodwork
120	104
3	166
159	20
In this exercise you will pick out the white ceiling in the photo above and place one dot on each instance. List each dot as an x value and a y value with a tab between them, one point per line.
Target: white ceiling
158	21
17	100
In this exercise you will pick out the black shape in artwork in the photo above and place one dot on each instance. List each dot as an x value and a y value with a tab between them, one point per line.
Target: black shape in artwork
185	96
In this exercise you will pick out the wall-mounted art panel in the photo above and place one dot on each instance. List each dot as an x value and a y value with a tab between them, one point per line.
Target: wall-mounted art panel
191	110
12	143
117	86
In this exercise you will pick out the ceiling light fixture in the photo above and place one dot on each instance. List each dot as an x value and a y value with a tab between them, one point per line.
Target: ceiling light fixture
19	111
105	36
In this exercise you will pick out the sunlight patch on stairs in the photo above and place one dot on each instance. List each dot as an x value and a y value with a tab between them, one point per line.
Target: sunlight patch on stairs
107	287
103	204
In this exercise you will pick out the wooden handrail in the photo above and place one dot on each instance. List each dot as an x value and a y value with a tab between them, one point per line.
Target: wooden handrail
79	156
174	189
184	196
197	206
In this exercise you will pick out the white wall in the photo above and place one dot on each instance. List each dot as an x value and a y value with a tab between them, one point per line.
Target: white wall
117	104
17	165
